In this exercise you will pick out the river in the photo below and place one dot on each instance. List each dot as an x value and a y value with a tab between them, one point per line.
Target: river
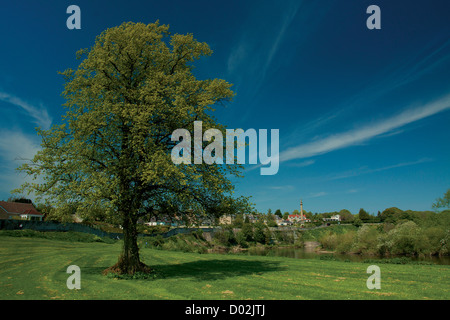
308	253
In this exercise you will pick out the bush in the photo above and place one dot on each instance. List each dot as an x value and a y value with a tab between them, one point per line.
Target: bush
366	240
329	241
405	238
434	241
241	239
357	222
345	242
155	241
261	233
247	231
225	237
184	243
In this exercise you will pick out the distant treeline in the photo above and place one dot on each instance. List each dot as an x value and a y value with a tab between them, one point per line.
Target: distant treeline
398	233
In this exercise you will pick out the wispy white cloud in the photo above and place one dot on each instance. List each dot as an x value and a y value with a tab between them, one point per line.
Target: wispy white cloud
15	148
39	115
17	145
285	23
302	164
254	55
365	133
394	76
365	170
284	188
317	194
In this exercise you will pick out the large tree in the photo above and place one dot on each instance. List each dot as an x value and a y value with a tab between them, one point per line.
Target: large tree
112	150
363	215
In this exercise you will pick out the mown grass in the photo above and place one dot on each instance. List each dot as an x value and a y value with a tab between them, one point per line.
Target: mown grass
35	268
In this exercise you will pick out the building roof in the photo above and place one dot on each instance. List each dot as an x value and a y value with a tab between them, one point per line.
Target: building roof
19	208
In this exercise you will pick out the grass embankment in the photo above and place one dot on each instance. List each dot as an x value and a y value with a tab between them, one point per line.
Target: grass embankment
35	268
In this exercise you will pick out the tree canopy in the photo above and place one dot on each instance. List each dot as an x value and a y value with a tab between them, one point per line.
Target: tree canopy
132	89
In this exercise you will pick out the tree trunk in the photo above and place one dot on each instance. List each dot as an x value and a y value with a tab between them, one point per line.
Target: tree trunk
129	261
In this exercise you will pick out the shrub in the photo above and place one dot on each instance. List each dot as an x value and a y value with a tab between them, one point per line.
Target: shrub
225	237
241	239
433	244
345	242
247	231
155	241
405	238
261	233
357	222
366	240
329	241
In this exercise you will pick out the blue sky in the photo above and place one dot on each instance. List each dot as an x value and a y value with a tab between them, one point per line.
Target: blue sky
363	114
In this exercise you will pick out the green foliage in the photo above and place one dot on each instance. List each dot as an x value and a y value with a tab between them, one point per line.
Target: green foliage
238	220
241	239
443	202
329	241
133	88
346	215
247	232
391	215
110	158
404	238
366	240
288	237
20	199
271	221
194	242
225	236
363	215
278	213
357	222
261	233
316	234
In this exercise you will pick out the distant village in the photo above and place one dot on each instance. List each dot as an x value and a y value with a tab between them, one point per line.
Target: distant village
27	211
291	220
296	218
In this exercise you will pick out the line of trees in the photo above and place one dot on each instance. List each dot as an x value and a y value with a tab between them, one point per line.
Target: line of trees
398	233
391	215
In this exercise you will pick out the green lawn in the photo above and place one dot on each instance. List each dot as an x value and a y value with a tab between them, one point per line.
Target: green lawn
35	268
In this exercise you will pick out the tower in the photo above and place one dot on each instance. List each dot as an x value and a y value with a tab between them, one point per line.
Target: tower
301	210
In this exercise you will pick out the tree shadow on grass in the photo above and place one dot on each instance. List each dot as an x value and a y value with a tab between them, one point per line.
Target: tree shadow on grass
215	269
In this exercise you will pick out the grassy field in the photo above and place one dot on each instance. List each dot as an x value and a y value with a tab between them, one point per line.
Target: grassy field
35	268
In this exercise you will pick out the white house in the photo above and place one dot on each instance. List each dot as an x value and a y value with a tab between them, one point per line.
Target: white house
333	218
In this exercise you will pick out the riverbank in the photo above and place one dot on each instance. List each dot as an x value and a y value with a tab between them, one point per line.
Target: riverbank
310	249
